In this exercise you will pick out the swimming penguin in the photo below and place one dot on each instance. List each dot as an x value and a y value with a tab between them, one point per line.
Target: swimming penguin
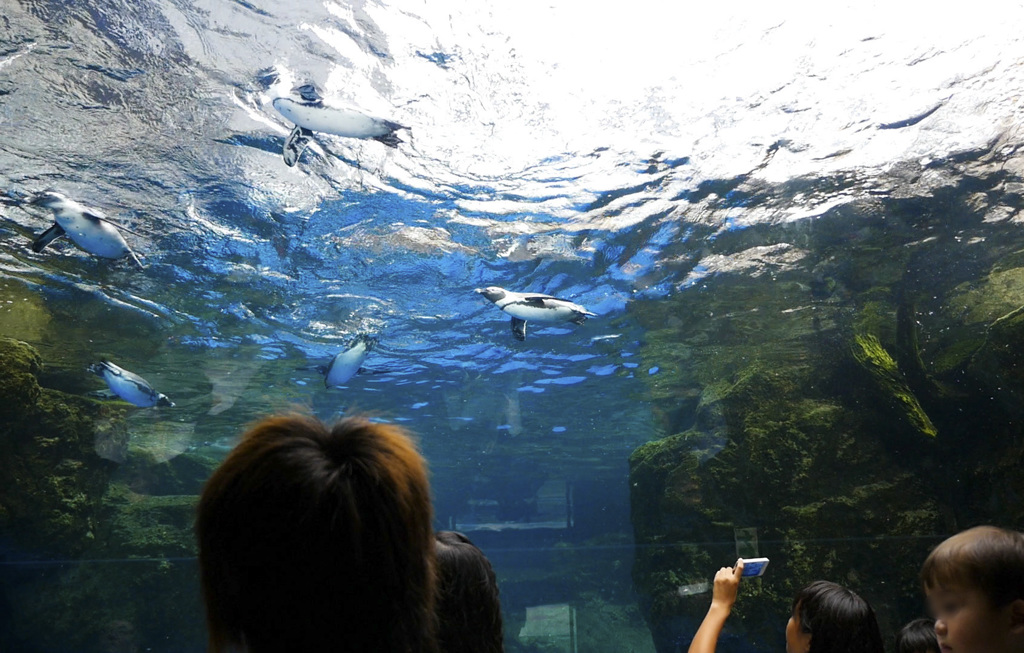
128	386
347	364
533	306
90	229
305	107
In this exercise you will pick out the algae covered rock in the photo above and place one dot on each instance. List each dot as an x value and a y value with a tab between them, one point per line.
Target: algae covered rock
19	364
770	450
144	526
890	385
127	571
51	478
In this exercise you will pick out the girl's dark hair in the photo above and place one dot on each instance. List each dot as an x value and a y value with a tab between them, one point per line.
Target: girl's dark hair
468	609
318	539
918	636
837	619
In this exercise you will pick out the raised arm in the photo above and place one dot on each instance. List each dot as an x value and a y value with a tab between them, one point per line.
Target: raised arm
727	584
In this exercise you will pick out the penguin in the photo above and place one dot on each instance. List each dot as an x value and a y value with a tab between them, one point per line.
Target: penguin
306	109
347	364
128	386
88	228
534	306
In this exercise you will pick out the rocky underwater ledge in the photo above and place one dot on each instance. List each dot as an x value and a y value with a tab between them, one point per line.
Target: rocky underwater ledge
89	563
853	402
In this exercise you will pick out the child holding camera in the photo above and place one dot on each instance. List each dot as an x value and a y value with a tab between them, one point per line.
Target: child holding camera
826	618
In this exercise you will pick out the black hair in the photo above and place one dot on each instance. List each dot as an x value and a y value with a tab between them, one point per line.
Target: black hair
468	609
917	636
837	619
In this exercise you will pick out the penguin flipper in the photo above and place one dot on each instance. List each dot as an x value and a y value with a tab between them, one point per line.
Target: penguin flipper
45	238
295	144
389	139
519	329
117	225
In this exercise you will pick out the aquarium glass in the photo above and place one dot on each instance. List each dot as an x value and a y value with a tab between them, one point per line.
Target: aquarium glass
782	247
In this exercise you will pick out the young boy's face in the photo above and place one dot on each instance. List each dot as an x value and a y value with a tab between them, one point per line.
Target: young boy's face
967	622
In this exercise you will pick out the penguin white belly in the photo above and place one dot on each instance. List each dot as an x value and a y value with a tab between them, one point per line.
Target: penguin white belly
95	236
331	120
129	390
345	365
536	314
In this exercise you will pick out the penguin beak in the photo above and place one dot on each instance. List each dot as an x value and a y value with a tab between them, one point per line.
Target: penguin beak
478	290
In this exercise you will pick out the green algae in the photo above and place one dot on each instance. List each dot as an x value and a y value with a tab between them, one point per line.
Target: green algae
144	526
987	299
877	317
133	581
890	384
18	386
772	445
51	479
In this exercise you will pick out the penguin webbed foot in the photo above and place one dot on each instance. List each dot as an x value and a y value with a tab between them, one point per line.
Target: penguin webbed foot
135	258
519	329
295	145
391	140
47	237
579	319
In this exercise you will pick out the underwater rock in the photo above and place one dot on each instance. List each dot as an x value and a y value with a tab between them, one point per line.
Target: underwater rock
18	386
89	605
143	526
51	477
181	475
770	450
890	384
101	563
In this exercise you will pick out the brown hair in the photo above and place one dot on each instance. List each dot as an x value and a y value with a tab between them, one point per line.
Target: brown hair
318	539
468	608
987	558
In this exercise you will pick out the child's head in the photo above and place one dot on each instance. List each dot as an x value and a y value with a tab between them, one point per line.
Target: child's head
985	558
974	582
918	636
828	618
313	534
468	607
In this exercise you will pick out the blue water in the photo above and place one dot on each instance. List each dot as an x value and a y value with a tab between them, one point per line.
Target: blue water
621	158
